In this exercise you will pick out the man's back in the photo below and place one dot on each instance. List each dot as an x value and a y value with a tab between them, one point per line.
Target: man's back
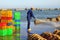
30	14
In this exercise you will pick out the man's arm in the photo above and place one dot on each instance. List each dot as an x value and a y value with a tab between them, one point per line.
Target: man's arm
32	15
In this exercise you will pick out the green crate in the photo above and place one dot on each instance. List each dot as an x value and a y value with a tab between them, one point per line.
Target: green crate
17	28
3	32
9	31
17	14
17	23
17	18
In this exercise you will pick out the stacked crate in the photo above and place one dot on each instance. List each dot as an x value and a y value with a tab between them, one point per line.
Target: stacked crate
17	19
6	18
9	16
3	31
10	30
6	30
3	16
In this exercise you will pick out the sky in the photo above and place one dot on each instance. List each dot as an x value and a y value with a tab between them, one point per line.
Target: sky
29	3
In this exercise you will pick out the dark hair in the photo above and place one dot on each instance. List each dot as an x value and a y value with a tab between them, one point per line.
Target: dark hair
31	8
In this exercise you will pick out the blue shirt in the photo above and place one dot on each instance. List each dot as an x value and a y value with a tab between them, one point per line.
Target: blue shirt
30	15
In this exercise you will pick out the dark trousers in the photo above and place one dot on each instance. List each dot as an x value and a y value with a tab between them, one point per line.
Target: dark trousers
28	25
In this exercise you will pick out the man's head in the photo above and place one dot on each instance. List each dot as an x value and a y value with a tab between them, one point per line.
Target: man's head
31	8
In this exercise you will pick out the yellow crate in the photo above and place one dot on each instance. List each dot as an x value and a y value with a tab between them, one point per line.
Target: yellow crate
6	15
13	27
8	21
13	22
9	11
4	11
4	21
3	27
3	15
9	15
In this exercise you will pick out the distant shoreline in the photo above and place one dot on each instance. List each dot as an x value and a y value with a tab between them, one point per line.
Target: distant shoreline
29	8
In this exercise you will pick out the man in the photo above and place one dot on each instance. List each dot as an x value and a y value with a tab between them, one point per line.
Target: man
29	16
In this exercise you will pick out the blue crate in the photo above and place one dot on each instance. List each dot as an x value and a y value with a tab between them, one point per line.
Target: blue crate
17	25
17	20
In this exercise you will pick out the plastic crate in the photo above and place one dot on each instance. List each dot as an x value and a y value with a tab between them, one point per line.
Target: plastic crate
3	32
9	12
11	27
3	27
6	32
17	28
9	15
8	18
17	20
17	23
3	18
17	14
9	21
3	15
10	31
3	24
4	21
